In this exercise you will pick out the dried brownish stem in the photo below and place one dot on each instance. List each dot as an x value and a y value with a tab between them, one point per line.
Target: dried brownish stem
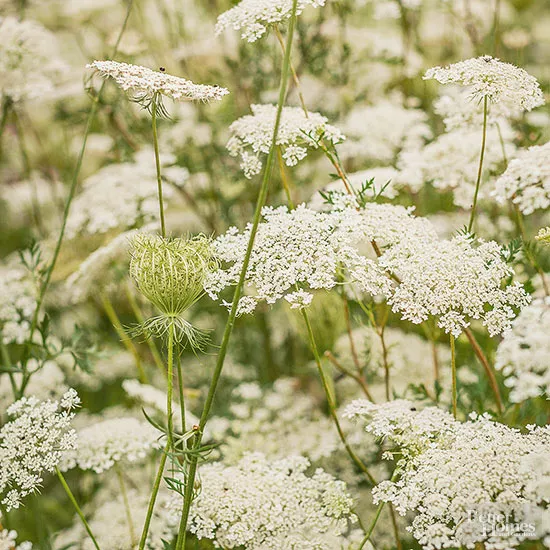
487	367
359	379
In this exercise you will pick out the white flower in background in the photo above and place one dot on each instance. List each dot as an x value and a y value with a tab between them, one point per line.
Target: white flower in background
29	62
254	17
119	196
526	181
251	135
18	292
104	444
459	110
450	163
8	540
379	132
463	474
32	442
156	399
456	281
543	235
269	505
109	523
523	355
146	84
281	420
490	78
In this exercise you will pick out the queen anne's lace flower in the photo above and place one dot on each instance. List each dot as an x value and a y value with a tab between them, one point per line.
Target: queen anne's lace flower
29	62
266	505
543	235
493	79
524	353
34	441
526	181
254	17
451	161
371	137
102	445
251	135
8	541
458	476
146	84
456	281
306	248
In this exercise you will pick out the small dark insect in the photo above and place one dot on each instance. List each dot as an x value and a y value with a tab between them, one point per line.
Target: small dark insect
162	69
487	58
413	408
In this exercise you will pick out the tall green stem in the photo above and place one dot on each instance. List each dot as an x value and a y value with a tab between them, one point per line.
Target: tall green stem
70	197
181	396
262	197
453	372
153	498
154	107
76	506
480	168
170	430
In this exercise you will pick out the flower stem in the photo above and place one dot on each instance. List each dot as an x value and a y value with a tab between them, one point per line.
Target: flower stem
453	371
181	396
128	344
331	401
480	168
487	367
154	493
76	506
70	197
262	197
133	539
157	163
170	430
372	525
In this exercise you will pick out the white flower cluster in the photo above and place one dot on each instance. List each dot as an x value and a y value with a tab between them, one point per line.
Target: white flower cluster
251	135
29	62
301	247
135	186
281	420
34	441
524	353
269	505
371	137
145	83
254	17
460	478
451	161
102	445
450	279
17	303
493	79
456	280
526	181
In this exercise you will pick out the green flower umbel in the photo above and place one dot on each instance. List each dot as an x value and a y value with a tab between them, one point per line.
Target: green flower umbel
170	273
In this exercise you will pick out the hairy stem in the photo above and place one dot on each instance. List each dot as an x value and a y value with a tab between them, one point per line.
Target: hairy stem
76	506
131	529
453	371
153	498
154	107
480	167
262	197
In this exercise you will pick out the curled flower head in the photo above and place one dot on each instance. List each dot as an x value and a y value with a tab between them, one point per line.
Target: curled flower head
171	273
146	83
497	81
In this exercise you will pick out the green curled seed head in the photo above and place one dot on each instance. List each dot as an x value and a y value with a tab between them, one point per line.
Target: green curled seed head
170	273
